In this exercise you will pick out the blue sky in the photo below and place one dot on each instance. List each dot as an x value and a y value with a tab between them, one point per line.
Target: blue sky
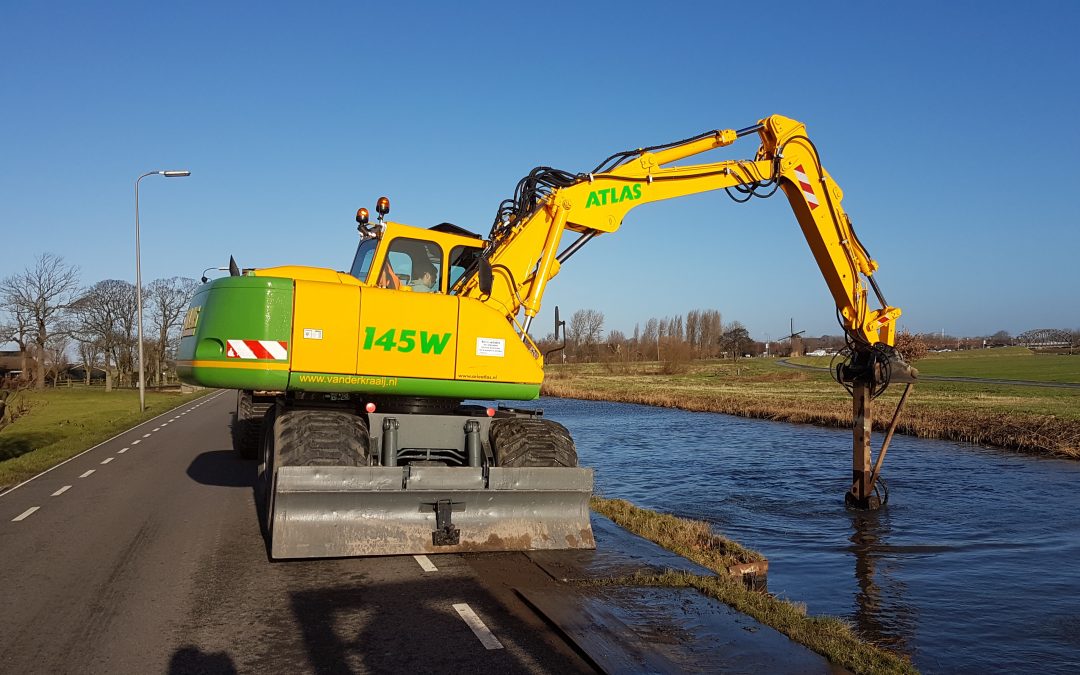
950	128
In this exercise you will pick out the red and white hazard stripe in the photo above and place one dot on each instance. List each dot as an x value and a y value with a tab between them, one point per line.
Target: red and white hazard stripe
807	188
257	349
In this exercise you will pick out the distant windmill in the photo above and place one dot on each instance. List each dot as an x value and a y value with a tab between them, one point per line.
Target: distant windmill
796	341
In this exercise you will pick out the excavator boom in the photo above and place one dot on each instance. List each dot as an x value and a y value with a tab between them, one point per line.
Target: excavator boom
596	203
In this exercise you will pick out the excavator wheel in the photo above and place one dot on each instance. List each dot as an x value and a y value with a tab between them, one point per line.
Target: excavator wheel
306	438
264	491
321	438
529	442
247	424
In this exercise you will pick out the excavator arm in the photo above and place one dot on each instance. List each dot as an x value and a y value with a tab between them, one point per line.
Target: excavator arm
523	251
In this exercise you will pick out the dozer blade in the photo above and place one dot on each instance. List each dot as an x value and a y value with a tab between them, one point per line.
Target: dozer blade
321	512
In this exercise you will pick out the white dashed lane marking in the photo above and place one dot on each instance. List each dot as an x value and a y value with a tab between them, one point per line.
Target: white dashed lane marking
25	514
426	564
478	628
30	511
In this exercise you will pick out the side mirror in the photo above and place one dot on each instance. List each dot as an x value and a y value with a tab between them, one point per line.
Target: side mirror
485	277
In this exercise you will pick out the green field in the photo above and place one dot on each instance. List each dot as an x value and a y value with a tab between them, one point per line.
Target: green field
1006	363
61	423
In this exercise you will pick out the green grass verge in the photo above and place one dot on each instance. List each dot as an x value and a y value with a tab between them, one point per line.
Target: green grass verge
831	637
61	423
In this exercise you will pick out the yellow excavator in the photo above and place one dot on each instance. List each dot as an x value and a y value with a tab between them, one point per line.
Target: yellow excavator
353	386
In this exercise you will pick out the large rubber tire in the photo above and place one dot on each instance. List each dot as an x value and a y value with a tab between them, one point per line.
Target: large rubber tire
321	438
305	438
264	493
247	425
531	441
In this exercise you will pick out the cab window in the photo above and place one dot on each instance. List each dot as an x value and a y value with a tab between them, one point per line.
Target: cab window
365	253
414	263
461	259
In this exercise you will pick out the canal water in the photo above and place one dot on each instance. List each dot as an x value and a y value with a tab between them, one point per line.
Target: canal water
974	565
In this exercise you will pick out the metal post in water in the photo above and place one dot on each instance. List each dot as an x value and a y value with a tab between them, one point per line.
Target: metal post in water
860	494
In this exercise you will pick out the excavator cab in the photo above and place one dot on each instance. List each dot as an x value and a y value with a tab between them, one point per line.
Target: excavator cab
395	256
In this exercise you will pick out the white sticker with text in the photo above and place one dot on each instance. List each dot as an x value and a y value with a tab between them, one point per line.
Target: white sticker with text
312	333
490	347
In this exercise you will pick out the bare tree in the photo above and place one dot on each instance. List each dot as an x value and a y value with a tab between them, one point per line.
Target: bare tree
56	357
168	300
105	314
90	351
736	339
17	330
41	294
911	347
693	328
650	339
585	330
709	332
675	329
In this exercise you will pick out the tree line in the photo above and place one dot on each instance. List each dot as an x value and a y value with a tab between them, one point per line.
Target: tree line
699	334
52	318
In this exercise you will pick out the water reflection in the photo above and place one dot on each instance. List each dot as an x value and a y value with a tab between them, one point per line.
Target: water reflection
880	615
943	575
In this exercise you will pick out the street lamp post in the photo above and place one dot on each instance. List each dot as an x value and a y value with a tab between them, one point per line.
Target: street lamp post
138	277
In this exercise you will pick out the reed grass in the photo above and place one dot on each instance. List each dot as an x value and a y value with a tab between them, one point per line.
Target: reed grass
692	539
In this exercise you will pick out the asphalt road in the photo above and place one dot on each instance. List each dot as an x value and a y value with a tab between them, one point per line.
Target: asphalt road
144	555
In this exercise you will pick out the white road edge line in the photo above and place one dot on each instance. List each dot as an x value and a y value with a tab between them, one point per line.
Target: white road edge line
108	440
61	491
425	564
478	628
25	514
88	473
107	460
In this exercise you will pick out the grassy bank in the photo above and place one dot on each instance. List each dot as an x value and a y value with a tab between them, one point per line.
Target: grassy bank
60	423
1036	420
831	637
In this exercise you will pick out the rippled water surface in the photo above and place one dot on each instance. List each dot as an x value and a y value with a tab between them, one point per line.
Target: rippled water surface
973	565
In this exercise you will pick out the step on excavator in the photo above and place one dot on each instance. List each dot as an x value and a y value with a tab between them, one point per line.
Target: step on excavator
354	388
